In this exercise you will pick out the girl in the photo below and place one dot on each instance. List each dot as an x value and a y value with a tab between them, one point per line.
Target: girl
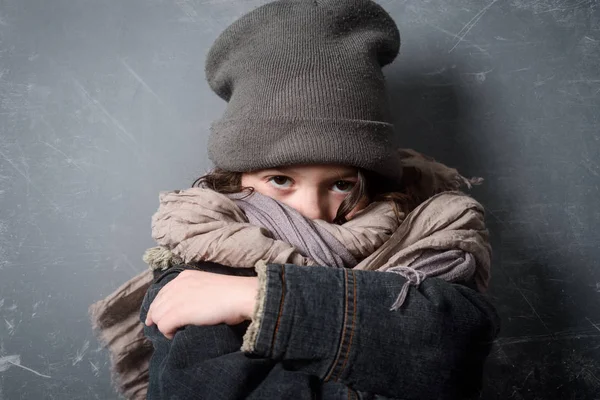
315	260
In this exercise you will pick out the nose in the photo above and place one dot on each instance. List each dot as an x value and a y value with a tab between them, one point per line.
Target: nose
312	205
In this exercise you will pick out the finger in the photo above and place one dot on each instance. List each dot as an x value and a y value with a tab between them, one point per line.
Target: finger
160	311
159	299
149	321
157	310
169	325
168	316
156	304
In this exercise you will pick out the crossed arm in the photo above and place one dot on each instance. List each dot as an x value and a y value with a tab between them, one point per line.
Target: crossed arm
319	329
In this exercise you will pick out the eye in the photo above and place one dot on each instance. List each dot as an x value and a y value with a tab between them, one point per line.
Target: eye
279	181
344	186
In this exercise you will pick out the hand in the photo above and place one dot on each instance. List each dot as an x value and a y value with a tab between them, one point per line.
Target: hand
202	298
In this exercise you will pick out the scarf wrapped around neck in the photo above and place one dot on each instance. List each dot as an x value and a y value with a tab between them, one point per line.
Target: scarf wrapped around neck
200	224
197	224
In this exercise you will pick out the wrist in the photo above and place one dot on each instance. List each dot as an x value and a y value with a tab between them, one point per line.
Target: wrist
250	292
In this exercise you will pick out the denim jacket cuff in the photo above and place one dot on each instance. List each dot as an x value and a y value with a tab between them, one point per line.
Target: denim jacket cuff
305	313
251	335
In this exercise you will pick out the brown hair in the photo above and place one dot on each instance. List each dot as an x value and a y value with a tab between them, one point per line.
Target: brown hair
371	185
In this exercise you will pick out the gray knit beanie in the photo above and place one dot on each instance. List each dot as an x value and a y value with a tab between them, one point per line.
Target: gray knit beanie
304	85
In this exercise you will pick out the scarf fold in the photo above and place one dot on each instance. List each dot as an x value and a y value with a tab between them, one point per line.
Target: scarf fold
284	224
198	224
446	221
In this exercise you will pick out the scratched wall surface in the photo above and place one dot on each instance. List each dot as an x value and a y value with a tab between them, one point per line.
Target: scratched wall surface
103	104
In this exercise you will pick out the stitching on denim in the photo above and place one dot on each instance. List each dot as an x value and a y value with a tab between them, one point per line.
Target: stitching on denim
349	345
339	352
352	394
280	311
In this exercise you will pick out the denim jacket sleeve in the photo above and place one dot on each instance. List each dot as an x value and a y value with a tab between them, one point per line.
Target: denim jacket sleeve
337	324
206	362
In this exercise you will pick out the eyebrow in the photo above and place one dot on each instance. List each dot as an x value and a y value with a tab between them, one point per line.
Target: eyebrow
292	171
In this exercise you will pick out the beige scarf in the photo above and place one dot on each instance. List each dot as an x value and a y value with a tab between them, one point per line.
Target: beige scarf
199	224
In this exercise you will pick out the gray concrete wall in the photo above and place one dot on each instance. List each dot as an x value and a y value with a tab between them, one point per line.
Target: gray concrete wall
103	104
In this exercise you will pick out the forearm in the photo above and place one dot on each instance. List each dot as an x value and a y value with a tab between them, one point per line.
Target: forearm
337	325
205	362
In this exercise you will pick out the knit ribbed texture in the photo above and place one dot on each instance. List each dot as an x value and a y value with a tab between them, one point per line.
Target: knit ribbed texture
304	85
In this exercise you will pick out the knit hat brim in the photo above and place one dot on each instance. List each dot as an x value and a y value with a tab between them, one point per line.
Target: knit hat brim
237	147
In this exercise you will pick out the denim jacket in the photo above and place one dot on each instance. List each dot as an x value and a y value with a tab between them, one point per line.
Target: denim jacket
329	333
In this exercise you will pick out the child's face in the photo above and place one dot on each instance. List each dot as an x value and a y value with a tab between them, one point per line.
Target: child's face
316	191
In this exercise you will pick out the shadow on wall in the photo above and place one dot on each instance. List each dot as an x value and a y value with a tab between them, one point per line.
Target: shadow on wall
445	111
